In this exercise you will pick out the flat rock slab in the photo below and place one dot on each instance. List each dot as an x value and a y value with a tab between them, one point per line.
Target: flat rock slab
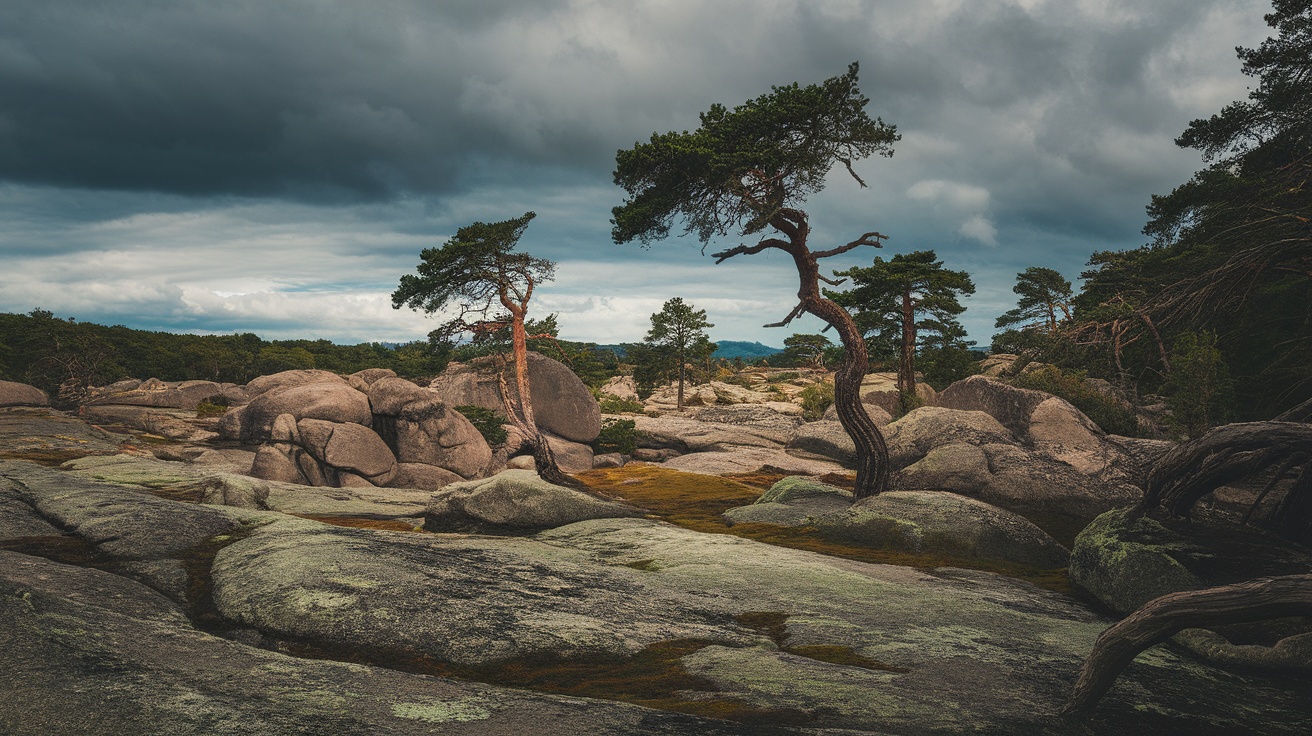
467	600
123	523
289	498
47	435
749	460
981	652
91	653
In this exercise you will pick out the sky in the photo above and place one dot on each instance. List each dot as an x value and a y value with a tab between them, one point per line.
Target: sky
275	166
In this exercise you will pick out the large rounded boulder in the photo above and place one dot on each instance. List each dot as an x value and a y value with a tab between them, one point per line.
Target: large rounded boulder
562	403
21	394
421	428
942	523
332	401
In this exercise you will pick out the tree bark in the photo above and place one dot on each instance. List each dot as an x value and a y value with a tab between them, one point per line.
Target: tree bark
872	472
1163	617
544	460
1226	454
906	367
680	400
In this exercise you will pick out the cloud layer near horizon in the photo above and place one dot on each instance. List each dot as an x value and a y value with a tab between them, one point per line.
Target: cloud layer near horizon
275	167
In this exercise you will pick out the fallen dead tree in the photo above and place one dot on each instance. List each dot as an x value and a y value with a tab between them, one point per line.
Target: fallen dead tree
1162	618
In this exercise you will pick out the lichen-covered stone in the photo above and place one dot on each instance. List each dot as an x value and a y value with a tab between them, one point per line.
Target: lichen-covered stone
514	500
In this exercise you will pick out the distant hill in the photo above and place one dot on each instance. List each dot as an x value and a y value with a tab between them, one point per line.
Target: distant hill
730	349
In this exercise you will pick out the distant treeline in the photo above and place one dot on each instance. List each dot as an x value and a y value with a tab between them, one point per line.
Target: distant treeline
46	351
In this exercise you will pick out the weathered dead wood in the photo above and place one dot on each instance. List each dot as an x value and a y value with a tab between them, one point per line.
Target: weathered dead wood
1161	618
1224	455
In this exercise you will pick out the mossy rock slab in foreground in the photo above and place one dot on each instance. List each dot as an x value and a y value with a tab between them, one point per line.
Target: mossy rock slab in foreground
827	644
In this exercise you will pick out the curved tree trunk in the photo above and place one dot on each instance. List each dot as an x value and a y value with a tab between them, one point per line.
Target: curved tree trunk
1161	618
544	460
872	475
872	472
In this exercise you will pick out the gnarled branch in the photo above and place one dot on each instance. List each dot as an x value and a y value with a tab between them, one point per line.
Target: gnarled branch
1161	618
749	250
791	316
871	238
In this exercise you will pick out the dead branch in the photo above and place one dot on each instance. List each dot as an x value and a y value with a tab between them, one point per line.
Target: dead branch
749	250
1162	618
791	316
871	238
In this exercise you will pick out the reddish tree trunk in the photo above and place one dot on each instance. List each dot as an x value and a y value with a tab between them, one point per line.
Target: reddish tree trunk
906	367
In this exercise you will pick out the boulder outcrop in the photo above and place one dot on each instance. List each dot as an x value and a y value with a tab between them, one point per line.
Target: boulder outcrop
562	403
164	395
21	394
328	400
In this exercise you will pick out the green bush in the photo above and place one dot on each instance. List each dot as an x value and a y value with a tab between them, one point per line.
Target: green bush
487	422
1199	391
616	405
617	435
907	402
1108	413
816	398
214	406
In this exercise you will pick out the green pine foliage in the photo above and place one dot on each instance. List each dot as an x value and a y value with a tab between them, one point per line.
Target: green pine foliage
1199	391
487	422
617	435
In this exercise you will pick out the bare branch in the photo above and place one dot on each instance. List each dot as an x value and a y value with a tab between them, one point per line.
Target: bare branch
749	250
791	316
848	163
870	238
1161	618
831	282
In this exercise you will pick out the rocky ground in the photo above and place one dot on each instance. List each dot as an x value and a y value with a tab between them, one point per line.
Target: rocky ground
147	595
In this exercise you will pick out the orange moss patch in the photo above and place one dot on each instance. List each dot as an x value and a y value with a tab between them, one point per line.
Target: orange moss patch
696	501
356	522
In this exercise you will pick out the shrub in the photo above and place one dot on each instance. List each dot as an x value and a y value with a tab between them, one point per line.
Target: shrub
1199	391
487	422
214	406
617	435
616	405
907	401
1112	415
816	398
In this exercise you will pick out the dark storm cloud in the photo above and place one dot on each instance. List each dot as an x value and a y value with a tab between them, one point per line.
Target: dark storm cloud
319	145
300	98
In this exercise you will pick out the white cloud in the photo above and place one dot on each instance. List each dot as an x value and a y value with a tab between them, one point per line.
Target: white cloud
979	228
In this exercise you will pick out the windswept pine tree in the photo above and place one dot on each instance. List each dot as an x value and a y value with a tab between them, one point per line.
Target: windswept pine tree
747	171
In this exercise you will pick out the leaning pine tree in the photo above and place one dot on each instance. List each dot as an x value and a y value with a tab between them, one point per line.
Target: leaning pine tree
746	171
477	273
